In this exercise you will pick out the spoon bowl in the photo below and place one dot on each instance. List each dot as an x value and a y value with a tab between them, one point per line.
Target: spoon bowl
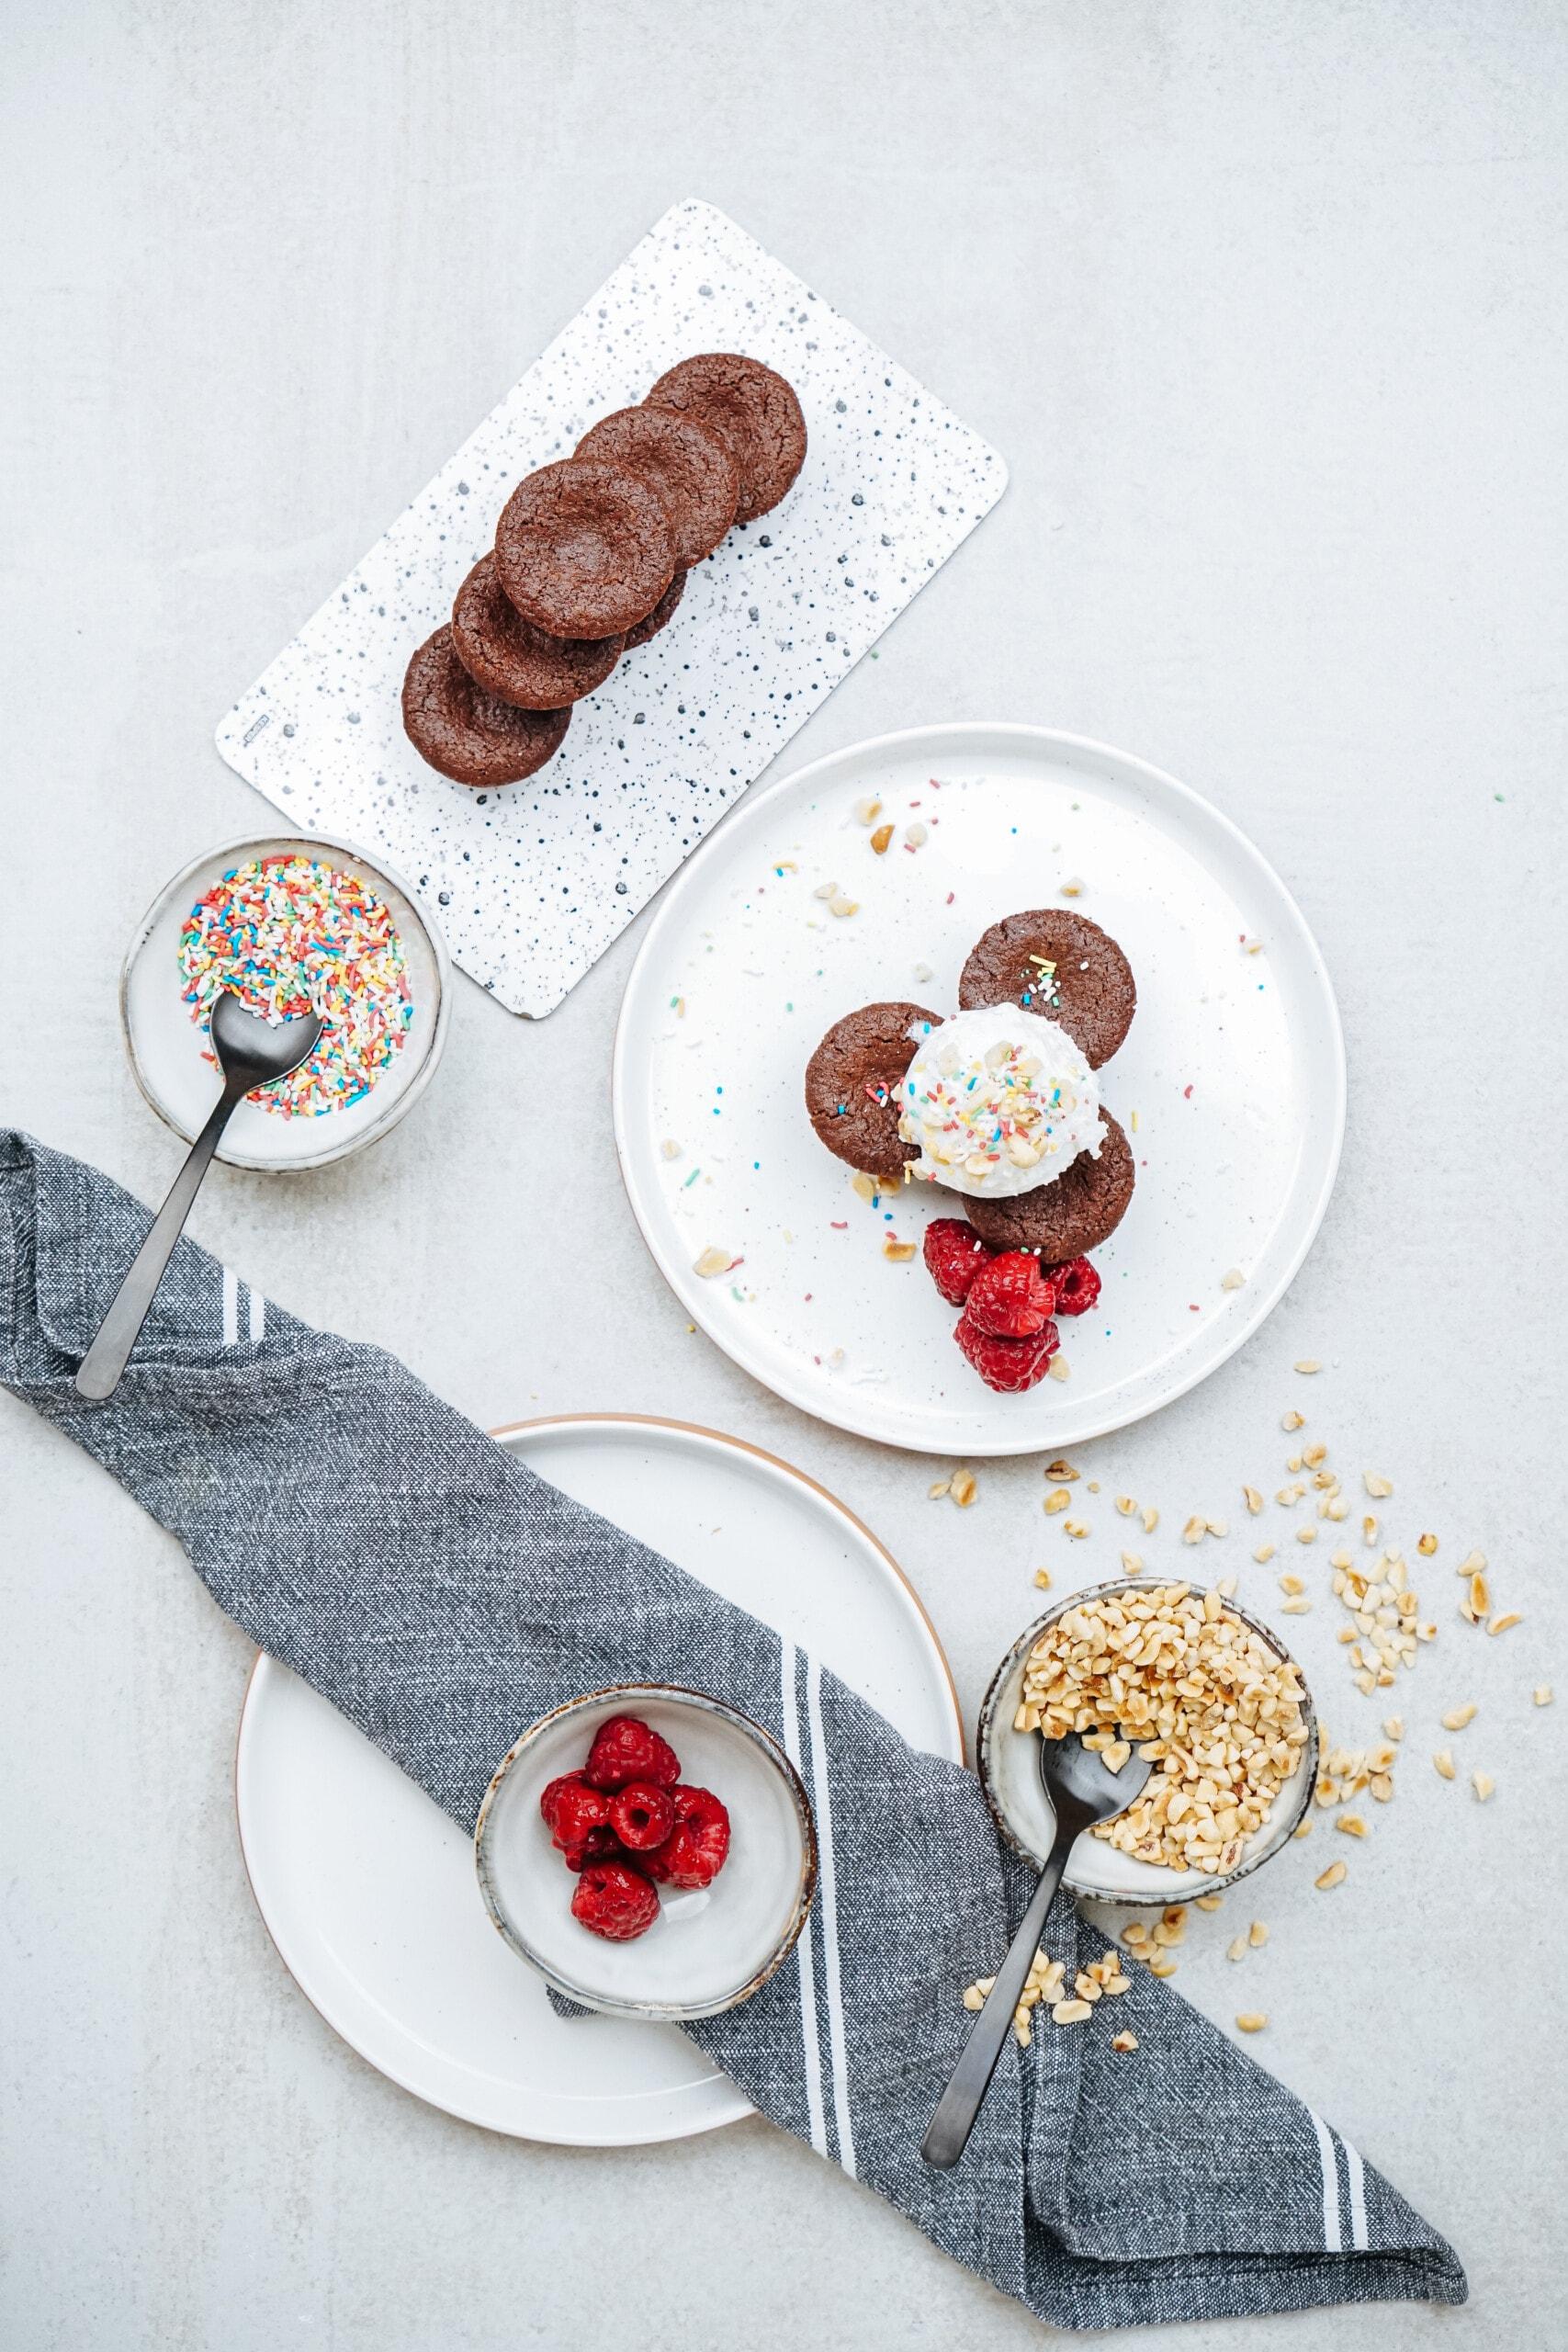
1077	1778
252	1052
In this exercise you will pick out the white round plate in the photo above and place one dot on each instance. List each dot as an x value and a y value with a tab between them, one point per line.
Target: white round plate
369	1890
1231	1083
166	1045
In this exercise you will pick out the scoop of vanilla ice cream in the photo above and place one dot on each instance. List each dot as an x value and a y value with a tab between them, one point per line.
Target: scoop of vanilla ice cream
1000	1100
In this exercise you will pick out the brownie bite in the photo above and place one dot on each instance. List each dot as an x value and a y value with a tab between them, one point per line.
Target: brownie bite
753	409
508	656
685	460
584	548
853	1084
1056	963
1070	1216
471	736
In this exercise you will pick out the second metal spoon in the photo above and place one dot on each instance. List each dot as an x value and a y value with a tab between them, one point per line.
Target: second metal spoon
1082	1790
250	1052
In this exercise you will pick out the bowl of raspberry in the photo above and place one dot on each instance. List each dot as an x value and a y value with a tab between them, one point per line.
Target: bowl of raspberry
650	1851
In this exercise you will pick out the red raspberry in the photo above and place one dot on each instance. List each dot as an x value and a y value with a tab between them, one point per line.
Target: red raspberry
955	1254
1009	1365
641	1815
599	1846
575	1813
694	1853
1077	1286
624	1750
615	1901
1010	1298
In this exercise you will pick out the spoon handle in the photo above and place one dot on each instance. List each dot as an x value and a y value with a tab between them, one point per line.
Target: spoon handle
99	1371
948	2135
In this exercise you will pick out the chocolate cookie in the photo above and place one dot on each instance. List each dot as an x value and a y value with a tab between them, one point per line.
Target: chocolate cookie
1074	1213
470	736
853	1082
756	412
662	614
685	460
1059	964
584	548
509	657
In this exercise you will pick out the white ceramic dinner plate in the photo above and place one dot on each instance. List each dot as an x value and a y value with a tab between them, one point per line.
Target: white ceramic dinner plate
166	1047
369	1893
1231	1083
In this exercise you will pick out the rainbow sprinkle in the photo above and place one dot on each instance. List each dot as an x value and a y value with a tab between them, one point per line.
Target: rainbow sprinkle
291	935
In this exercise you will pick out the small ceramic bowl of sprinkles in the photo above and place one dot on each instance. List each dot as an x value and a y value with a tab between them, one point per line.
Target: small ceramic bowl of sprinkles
289	925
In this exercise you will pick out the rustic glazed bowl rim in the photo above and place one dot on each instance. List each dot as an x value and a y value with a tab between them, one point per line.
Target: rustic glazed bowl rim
402	1101
986	1727
610	2004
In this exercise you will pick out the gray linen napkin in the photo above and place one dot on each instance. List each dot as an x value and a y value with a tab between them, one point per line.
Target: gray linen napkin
442	1597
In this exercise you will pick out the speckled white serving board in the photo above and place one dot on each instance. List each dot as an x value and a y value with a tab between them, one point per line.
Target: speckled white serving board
532	882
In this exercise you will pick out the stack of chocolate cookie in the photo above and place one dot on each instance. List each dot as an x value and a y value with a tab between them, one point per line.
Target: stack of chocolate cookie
589	559
854	1081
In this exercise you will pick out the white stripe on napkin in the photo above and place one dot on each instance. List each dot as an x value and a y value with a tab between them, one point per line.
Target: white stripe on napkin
258	1319
1332	2236
829	1918
230	1307
1357	2174
815	2113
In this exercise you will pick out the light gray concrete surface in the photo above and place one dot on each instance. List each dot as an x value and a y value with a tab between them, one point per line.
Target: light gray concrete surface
1264	305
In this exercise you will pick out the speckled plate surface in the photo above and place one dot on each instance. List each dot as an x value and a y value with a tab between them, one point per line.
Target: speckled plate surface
535	880
368	1892
1231	1083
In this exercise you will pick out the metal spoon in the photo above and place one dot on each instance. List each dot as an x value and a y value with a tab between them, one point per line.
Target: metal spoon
1082	1790
250	1052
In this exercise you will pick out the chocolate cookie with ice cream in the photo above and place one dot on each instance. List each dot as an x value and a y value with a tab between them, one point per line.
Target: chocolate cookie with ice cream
854	1083
1055	961
998	1102
1002	1105
1072	1215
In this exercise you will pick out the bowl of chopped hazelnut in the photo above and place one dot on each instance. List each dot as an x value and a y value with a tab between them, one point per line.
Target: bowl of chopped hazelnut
1189	1679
